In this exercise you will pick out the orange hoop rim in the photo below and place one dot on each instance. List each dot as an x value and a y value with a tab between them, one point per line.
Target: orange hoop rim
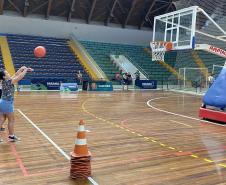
162	44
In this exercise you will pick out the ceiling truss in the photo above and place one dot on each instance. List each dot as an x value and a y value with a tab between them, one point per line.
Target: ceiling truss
123	12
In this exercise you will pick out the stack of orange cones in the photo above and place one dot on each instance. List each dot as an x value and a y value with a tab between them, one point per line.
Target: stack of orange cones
80	157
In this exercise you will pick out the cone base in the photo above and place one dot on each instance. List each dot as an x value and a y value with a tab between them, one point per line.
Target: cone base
80	167
77	155
80	177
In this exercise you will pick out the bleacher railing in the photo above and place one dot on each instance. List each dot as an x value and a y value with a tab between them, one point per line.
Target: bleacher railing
137	65
100	74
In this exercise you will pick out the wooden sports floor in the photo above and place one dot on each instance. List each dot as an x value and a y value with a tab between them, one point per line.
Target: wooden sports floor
136	138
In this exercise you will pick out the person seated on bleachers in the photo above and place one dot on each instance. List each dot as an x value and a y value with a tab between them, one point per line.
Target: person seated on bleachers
125	81
129	78
117	77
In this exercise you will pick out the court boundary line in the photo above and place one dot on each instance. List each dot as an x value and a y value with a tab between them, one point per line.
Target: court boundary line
52	142
176	114
19	160
150	139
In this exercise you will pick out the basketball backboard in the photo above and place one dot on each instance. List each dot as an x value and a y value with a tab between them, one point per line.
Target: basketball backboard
177	27
180	28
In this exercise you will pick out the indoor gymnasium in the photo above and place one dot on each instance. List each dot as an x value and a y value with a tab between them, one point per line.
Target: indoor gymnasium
112	92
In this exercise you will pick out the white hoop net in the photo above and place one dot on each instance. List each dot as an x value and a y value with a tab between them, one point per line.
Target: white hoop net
158	50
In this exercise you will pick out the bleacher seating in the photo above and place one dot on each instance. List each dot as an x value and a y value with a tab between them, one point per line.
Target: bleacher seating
101	53
59	62
184	59
210	59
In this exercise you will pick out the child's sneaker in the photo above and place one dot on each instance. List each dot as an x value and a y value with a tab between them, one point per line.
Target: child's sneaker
2	129
13	138
1	140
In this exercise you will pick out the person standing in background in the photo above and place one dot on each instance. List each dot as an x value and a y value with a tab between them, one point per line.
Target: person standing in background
210	79
79	77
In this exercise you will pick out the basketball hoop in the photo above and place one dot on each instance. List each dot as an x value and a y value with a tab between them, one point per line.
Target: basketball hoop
159	49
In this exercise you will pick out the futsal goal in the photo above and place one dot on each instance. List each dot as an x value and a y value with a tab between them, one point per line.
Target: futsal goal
216	69
193	78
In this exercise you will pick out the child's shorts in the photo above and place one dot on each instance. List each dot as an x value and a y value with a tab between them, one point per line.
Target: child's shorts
6	106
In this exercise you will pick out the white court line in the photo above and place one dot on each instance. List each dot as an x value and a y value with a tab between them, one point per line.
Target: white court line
51	141
175	114
180	123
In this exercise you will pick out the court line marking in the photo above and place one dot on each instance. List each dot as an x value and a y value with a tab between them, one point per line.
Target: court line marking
17	156
52	142
175	114
154	141
19	160
188	117
195	156
181	123
161	144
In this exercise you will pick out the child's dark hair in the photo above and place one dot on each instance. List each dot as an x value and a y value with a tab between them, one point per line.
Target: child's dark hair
2	74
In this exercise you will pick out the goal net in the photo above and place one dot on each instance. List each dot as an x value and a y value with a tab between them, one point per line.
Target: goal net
193	78
216	70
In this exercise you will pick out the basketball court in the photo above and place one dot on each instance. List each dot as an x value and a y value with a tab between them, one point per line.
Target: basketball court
143	138
136	137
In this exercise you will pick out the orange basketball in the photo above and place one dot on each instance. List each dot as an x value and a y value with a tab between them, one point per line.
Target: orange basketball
40	51
169	46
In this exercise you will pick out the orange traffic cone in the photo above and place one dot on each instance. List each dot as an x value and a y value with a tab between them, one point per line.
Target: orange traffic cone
81	148
80	157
